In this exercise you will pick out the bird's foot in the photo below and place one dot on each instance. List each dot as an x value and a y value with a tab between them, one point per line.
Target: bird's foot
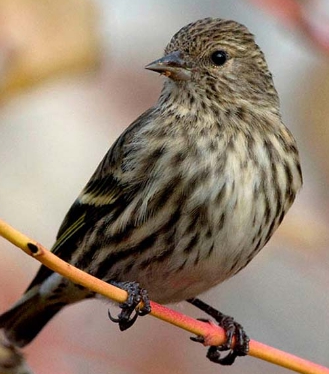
136	294
233	330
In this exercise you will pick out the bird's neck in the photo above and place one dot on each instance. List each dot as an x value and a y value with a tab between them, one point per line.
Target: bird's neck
187	101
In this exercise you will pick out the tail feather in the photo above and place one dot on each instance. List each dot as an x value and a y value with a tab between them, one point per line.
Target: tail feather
27	317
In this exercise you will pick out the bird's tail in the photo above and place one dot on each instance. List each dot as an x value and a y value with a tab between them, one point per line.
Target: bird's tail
27	317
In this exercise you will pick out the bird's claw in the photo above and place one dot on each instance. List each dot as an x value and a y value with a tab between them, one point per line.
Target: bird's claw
240	348
233	330
135	295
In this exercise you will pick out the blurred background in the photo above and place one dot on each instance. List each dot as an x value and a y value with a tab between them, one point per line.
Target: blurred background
71	79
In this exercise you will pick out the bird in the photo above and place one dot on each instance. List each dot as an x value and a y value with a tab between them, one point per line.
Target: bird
186	196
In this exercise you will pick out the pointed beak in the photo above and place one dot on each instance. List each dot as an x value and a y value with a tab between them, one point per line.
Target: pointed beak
172	66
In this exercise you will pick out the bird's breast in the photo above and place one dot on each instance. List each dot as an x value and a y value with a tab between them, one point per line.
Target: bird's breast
207	206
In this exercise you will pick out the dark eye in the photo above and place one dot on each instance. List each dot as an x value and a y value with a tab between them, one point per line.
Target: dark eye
219	57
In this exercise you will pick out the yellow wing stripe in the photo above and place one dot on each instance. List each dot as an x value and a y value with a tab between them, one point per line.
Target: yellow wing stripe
70	231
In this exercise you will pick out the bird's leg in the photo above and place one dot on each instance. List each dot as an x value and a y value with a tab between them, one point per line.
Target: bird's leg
232	330
136	294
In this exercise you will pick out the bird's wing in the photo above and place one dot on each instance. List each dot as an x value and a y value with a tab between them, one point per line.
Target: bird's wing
103	194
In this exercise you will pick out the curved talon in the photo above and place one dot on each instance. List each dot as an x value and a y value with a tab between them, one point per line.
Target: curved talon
124	321
115	320
124	324
198	338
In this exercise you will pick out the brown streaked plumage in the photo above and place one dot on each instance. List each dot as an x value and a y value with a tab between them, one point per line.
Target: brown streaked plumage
190	192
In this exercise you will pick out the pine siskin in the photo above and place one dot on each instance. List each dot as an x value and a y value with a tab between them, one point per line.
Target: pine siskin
187	195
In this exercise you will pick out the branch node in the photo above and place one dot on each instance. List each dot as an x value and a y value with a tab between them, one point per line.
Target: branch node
33	248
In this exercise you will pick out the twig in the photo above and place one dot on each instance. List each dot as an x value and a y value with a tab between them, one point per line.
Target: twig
213	334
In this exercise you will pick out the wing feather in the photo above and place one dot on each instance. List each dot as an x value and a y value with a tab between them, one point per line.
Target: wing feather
103	193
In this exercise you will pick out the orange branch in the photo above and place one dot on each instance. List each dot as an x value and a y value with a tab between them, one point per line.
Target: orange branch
214	335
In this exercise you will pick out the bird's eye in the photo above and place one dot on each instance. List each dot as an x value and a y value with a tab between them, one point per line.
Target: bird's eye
219	57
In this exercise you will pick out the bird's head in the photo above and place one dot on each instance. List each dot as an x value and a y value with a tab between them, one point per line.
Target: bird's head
219	60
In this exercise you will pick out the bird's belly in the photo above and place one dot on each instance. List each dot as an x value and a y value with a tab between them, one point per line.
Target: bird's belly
188	273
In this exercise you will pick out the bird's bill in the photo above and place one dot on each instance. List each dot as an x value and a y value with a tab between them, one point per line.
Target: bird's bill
172	66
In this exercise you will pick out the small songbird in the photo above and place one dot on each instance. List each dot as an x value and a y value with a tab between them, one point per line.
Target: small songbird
186	196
